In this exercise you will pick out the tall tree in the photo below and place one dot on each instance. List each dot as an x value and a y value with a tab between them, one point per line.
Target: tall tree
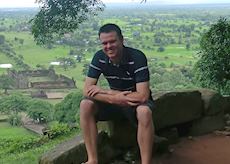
213	68
57	17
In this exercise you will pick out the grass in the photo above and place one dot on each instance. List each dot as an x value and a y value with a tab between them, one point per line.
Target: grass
30	156
13	132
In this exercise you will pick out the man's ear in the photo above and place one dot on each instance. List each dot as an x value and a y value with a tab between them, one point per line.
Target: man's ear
122	40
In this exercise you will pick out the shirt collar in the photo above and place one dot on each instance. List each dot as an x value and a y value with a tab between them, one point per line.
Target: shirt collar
124	59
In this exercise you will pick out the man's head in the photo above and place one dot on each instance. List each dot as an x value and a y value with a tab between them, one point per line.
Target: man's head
112	41
109	28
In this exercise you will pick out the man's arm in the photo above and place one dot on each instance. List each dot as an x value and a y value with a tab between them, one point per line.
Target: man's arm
126	98
142	92
93	91
109	96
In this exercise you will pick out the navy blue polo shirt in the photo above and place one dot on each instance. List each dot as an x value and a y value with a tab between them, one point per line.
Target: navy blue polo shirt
123	77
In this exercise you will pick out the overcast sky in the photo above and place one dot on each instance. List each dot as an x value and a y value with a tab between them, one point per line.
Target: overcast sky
31	3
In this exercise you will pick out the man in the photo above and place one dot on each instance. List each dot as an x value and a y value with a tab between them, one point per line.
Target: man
129	95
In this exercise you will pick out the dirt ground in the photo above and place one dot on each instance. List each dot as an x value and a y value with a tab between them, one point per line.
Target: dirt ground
207	149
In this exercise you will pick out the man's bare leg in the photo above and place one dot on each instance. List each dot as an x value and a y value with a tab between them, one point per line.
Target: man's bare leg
89	129
145	133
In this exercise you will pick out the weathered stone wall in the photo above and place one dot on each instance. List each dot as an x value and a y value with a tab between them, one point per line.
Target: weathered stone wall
51	84
58	81
194	112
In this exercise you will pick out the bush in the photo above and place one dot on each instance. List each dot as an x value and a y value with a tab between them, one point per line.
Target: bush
58	129
39	110
15	120
66	111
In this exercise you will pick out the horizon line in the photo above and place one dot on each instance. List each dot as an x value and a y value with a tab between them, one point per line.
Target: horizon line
132	3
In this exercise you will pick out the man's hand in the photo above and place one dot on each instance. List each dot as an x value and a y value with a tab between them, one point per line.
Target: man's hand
114	97
93	90
123	99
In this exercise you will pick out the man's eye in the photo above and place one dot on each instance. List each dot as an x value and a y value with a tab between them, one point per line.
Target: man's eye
110	42
113	41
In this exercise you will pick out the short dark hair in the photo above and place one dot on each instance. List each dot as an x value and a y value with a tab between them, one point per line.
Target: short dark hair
109	28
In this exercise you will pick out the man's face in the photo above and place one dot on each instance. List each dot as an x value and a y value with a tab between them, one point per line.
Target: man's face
112	45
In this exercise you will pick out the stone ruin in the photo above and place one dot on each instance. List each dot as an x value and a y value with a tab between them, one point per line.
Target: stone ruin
57	81
177	114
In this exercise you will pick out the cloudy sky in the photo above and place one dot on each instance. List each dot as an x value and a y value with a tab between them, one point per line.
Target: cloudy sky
31	3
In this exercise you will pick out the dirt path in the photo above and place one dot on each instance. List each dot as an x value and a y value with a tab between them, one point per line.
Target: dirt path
29	124
208	149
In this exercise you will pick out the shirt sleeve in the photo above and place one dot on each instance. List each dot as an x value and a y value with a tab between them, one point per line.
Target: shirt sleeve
141	71
94	67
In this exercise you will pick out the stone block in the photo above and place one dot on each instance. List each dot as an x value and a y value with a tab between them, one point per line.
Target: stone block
69	152
226	104
213	102
174	108
207	124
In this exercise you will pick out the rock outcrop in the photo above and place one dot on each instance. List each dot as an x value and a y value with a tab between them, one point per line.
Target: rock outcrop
191	113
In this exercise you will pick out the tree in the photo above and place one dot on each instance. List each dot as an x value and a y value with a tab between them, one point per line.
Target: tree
6	82
2	39
161	49
188	45
66	110
213	68
13	104
67	62
61	16
57	17
39	110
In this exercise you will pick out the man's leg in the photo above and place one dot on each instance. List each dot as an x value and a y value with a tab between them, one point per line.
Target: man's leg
89	129
145	133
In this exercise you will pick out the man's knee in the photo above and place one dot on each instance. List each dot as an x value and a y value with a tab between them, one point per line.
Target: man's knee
87	106
144	114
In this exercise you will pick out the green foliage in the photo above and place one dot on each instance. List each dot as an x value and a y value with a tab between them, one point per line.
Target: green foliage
66	110
13	104
85	69
15	145
170	80
62	16
58	129
213	68
161	49
2	39
29	149
40	110
67	62
6	82
15	120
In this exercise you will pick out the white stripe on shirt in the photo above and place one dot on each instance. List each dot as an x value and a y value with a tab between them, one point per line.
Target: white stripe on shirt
93	66
140	69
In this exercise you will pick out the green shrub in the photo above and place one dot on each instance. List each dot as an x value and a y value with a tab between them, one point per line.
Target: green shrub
16	145
58	129
66	111
15	120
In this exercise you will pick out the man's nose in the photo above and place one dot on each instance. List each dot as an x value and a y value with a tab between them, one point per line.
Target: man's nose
108	45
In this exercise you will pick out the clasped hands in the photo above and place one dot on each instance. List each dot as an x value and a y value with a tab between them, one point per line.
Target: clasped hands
122	98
